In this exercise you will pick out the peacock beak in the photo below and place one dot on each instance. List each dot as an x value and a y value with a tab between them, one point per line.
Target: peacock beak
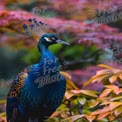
62	42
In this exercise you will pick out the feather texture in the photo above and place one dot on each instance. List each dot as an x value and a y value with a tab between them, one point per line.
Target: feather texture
36	29
37	91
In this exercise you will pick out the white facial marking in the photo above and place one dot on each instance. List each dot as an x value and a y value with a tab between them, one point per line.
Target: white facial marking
53	38
47	39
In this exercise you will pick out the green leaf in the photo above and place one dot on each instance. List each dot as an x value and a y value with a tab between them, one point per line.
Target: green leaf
103	120
81	100
3	114
116	98
2	101
89	93
73	118
92	103
118	111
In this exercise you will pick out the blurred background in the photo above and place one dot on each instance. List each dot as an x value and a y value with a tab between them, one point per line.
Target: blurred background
93	28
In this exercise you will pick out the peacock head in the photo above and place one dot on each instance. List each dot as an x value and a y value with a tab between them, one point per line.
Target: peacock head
50	39
43	32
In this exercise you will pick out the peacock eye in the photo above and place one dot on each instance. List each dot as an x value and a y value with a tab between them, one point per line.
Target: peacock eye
53	38
48	39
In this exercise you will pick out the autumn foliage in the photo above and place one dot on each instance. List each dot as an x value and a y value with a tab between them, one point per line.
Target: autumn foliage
88	105
94	48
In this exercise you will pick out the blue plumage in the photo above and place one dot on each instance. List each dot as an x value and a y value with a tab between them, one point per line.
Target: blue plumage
38	90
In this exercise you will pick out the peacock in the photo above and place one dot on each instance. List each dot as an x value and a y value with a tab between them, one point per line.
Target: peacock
38	90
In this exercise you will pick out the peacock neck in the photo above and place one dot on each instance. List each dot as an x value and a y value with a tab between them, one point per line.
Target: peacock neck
46	71
44	52
48	61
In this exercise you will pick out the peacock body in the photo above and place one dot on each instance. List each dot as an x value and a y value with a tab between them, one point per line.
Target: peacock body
38	90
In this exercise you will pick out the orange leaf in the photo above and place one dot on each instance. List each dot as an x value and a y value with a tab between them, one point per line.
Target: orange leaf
105	109
118	111
116	71
105	66
3	119
99	79
87	92
114	88
90	118
105	103
120	90
111	117
103	115
92	79
76	91
105	93
56	113
113	78
100	111
70	85
66	75
120	76
74	118
104	71
64	115
114	105
69	94
96	112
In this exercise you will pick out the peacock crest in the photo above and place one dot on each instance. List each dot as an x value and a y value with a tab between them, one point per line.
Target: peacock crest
36	29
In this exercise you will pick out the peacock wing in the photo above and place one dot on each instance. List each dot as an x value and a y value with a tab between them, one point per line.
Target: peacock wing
12	97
